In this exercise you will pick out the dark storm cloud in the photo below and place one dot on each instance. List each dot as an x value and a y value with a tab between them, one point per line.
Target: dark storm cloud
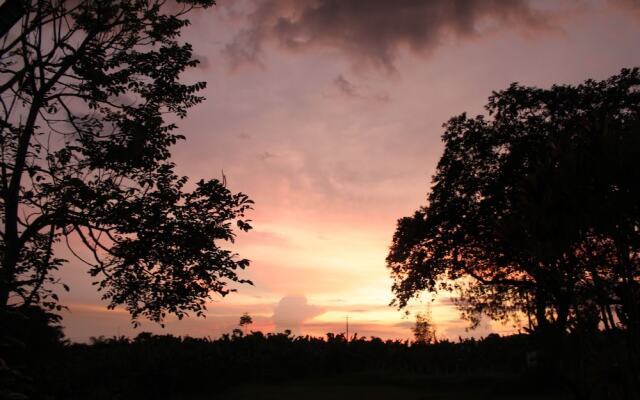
372	32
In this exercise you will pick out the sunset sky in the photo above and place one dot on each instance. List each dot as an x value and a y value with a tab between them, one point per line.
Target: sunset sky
328	114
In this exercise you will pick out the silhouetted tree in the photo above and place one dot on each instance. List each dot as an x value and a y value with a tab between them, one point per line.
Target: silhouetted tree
534	214
28	336
424	332
534	210
89	95
245	320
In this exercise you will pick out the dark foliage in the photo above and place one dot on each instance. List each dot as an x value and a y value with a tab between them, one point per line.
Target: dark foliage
90	95
534	216
534	211
44	366
28	337
152	367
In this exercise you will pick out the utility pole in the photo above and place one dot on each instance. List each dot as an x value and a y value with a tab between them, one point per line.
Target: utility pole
347	328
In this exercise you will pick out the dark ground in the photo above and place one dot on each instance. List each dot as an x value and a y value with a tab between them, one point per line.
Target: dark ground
412	389
40	365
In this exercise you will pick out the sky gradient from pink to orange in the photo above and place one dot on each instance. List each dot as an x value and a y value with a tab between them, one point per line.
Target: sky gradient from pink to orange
330	118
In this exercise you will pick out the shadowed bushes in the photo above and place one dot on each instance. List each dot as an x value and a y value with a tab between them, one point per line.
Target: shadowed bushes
151	366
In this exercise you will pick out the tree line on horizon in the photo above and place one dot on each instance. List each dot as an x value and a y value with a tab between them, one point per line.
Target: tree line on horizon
165	366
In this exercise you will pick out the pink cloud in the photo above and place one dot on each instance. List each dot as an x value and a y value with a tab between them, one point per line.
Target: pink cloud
292	312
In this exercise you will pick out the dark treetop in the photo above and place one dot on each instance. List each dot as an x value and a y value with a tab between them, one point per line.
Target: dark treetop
534	210
89	93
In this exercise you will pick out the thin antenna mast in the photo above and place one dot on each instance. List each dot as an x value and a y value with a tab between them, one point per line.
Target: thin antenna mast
347	328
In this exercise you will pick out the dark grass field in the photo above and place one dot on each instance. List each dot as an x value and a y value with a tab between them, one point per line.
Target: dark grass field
281	366
372	387
338	391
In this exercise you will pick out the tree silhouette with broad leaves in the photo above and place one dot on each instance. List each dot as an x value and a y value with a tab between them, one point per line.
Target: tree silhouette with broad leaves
534	210
89	92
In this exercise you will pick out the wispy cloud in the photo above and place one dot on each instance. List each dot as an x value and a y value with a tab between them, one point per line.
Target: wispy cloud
265	155
345	87
349	90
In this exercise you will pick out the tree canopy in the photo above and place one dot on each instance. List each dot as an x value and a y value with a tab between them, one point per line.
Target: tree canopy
90	95
534	210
